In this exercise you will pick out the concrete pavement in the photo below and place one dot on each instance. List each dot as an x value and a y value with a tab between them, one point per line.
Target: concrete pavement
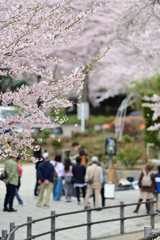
99	231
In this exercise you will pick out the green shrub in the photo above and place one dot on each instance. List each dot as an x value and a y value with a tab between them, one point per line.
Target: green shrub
56	142
102	138
132	128
45	133
129	155
99	154
44	142
104	159
92	132
127	139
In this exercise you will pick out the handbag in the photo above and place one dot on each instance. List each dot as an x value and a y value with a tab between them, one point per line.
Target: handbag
55	176
3	175
91	180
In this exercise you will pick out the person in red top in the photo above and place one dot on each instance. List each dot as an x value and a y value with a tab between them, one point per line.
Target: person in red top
20	169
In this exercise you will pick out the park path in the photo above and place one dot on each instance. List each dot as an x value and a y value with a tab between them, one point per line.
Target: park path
101	231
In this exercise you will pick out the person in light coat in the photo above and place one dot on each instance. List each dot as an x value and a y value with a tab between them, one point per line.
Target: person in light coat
96	172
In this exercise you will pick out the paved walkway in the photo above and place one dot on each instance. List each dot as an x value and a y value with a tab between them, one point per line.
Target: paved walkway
99	231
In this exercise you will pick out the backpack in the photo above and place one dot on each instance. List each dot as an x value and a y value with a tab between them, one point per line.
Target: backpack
146	179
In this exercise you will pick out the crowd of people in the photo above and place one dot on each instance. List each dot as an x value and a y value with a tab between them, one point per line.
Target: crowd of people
83	178
57	177
51	174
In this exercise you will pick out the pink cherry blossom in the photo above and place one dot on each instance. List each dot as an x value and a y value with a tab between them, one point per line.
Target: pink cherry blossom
29	31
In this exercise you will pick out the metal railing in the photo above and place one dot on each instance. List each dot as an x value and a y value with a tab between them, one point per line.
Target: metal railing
148	234
53	216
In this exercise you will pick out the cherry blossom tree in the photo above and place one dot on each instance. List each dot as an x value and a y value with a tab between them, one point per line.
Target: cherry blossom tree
140	26
29	30
127	60
97	34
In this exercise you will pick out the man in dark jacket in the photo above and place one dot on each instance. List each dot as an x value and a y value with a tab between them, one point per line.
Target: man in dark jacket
79	172
45	173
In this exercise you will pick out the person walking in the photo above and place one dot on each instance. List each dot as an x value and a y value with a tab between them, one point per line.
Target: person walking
94	180
20	169
157	179
148	187
45	173
11	182
67	174
79	172
58	187
38	155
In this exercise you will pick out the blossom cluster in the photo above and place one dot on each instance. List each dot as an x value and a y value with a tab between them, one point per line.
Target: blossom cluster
29	30
154	104
139	26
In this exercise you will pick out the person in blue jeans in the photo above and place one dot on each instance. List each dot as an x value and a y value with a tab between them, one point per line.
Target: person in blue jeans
21	203
58	186
157	179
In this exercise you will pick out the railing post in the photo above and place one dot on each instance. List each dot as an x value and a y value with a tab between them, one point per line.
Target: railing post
122	216
152	212
4	234
12	225
147	231
29	227
53	225
89	226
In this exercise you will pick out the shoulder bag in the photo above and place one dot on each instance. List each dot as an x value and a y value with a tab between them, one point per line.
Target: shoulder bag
91	180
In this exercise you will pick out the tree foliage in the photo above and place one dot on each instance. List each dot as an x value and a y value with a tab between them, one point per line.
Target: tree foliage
143	93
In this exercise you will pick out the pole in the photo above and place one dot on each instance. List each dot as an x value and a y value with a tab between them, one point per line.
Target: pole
110	178
147	231
89	226
53	223
122	218
152	212
12	225
29	227
4	234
